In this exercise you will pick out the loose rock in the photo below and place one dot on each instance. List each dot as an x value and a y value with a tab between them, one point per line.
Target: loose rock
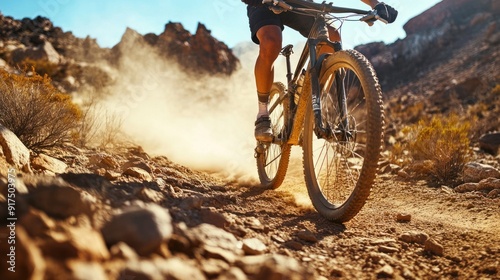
490	143
37	223
307	236
210	235
414	237
87	270
150	195
178	269
56	198
474	172
219	254
129	227
122	251
385	272
432	246
138	173
75	242
254	246
403	217
214	218
14	150
28	261
44	162
387	249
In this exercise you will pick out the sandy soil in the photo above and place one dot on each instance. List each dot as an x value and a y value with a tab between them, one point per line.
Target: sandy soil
463	230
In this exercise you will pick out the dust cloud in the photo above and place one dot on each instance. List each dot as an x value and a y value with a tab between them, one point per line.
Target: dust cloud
202	122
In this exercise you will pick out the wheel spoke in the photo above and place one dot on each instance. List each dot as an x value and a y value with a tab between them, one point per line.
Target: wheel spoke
272	159
337	176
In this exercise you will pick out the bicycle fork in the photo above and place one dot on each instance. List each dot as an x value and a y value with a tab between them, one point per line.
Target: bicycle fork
323	129
342	132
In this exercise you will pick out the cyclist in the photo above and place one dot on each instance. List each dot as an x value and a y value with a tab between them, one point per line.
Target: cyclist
266	27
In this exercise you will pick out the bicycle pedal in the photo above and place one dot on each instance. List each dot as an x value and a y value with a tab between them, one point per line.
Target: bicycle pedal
260	149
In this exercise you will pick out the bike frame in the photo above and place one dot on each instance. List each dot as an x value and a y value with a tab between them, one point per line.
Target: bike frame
337	190
317	37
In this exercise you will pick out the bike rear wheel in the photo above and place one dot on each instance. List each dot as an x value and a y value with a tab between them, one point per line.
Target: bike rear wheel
272	158
339	171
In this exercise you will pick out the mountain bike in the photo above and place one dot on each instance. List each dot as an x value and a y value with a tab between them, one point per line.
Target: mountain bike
332	107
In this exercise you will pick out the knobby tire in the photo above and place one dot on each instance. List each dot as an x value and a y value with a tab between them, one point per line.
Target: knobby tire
339	173
272	164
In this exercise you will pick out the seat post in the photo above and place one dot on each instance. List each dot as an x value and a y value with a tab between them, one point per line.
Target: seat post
287	52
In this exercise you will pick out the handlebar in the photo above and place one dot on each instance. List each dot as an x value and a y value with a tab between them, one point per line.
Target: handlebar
369	17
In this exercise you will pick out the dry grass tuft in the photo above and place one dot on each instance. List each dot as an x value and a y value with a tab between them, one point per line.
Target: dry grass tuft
439	148
35	111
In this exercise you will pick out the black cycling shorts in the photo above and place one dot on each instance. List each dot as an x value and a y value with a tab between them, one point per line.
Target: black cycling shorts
261	16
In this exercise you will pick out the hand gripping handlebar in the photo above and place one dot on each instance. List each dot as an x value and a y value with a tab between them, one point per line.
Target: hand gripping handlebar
279	6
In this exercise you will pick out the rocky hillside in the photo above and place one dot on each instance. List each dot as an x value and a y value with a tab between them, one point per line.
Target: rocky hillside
74	62
447	63
200	52
450	43
90	214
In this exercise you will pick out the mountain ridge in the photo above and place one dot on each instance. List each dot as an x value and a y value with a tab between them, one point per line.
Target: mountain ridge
439	35
72	62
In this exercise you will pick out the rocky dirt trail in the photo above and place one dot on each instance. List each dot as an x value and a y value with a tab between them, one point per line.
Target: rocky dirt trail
406	230
127	215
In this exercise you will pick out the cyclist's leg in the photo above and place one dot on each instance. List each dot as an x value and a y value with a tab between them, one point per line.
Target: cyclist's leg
270	45
266	30
270	39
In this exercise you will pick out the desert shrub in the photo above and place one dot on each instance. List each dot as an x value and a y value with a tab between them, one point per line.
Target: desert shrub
399	154
95	76
35	111
99	126
111	131
42	67
496	91
439	148
484	114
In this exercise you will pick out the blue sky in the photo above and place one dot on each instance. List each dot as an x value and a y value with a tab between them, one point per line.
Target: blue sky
106	20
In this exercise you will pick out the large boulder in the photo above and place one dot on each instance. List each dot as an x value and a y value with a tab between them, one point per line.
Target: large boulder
14	150
44	162
474	172
201	52
57	198
44	52
212	54
143	228
490	143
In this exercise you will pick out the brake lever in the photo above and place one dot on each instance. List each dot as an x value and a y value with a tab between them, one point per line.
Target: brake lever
369	19
377	17
372	17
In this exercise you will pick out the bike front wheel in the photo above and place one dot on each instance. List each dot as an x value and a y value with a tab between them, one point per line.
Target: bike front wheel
340	169
272	158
